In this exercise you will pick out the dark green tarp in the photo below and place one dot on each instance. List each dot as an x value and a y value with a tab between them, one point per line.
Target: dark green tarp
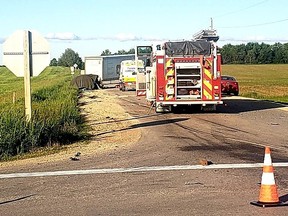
200	47
87	81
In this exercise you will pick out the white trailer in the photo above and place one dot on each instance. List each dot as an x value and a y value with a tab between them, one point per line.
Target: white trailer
106	67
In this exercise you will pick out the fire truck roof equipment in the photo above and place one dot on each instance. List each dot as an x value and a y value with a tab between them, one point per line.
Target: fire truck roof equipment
182	48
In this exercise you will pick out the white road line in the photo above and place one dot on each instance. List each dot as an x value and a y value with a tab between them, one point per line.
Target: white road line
137	169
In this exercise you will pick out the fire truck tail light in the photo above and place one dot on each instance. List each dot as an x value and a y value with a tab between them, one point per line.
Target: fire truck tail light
216	87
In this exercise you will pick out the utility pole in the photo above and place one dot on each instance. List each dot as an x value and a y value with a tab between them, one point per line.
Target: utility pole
27	75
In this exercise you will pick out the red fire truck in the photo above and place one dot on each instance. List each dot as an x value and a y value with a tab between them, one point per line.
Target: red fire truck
183	73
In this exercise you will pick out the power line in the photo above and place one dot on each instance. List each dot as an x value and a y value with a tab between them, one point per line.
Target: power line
255	25
236	11
253	40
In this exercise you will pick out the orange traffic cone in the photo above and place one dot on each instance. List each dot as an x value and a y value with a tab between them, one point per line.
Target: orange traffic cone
268	192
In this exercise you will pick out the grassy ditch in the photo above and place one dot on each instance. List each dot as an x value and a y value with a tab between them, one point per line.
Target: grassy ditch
56	119
267	82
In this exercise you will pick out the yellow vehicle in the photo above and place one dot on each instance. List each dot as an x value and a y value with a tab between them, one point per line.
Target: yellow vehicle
128	73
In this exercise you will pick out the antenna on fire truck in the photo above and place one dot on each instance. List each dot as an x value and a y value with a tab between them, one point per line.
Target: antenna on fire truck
211	26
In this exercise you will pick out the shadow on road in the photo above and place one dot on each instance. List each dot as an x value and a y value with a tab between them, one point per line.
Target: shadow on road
238	105
111	120
160	122
235	149
18	199
231	105
147	124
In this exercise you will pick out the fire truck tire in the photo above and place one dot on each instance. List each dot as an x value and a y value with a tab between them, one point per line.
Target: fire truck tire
158	109
162	109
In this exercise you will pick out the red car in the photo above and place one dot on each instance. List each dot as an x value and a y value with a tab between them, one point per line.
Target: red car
229	85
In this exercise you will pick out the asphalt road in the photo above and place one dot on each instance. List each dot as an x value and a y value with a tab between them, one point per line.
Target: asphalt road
236	134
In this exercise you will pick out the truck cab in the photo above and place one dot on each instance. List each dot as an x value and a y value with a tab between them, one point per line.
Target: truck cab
128	73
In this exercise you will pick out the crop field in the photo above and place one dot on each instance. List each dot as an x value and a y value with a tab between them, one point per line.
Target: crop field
268	82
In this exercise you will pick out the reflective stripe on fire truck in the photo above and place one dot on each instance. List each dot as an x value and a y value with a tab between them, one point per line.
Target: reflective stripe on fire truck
207	95
208	73
169	63
207	83
169	80
170	72
141	92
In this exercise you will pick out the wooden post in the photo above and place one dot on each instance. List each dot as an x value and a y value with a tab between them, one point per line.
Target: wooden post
14	97
27	74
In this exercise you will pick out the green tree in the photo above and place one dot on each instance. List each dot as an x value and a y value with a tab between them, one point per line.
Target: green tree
285	53
121	52
228	53
131	51
240	54
106	52
265	54
280	55
69	58
53	62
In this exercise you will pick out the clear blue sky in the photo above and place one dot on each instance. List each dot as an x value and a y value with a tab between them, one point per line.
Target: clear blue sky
91	26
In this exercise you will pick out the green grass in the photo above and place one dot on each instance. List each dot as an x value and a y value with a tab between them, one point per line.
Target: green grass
268	82
10	84
56	118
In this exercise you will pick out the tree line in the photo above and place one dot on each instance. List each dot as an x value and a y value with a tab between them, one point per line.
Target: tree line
119	52
255	53
70	57
250	53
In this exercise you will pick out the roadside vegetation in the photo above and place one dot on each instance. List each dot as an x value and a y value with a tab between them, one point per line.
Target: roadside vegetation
56	119
267	82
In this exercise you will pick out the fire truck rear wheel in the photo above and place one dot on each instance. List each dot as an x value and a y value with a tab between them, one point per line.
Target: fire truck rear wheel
162	109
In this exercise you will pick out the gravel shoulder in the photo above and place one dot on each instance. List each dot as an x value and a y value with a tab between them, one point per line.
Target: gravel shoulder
110	128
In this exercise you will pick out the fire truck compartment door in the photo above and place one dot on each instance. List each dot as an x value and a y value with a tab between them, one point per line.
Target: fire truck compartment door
187	65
